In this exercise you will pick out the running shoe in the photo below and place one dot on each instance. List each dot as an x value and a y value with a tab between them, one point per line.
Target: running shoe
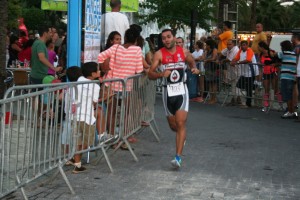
176	163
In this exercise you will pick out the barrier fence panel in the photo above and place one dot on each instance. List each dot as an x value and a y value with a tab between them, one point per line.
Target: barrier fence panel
139	107
257	84
30	144
45	126
148	99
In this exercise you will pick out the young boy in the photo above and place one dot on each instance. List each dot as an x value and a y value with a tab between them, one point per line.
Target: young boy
88	94
288	77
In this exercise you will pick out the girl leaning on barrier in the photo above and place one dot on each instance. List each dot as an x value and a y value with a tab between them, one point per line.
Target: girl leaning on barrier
270	75
211	70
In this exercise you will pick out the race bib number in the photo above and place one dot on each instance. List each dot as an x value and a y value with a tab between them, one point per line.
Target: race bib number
175	89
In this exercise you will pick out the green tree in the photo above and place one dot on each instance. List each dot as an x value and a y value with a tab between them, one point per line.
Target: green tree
177	13
295	18
14	12
3	31
32	3
253	16
244	12
269	13
33	18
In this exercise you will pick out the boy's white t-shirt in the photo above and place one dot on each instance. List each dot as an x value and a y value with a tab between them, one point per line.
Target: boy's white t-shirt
88	94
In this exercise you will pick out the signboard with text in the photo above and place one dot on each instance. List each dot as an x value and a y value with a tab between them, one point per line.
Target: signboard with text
62	5
92	35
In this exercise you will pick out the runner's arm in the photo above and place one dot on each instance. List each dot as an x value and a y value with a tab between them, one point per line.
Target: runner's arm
153	74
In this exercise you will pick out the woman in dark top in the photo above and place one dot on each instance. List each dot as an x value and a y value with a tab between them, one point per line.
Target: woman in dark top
13	50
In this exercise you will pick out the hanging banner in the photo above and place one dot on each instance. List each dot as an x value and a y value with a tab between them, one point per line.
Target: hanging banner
57	5
92	35
62	5
127	6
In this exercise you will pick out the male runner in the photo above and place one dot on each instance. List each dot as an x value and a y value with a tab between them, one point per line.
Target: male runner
171	61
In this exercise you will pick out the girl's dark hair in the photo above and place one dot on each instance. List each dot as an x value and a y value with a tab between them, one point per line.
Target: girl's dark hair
199	44
263	45
286	46
48	42
211	43
131	35
137	27
13	38
73	73
151	45
110	38
140	42
88	68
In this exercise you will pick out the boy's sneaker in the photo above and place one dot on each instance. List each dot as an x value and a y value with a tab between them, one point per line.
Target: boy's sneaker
70	162
289	115
78	170
176	163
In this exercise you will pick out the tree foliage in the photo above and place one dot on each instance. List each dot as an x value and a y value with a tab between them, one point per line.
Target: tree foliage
33	18
3	31
14	12
177	13
269	13
244	13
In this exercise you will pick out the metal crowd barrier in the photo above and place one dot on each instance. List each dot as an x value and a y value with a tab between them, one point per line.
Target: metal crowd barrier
29	142
261	90
138	101
219	81
139	107
40	129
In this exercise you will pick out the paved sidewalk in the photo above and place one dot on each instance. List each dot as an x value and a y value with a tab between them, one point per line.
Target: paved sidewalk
231	153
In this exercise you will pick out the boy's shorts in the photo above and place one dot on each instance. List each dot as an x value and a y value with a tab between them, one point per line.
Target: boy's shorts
287	87
87	136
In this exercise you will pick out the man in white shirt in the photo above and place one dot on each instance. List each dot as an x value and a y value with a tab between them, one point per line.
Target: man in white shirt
114	21
232	73
244	58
